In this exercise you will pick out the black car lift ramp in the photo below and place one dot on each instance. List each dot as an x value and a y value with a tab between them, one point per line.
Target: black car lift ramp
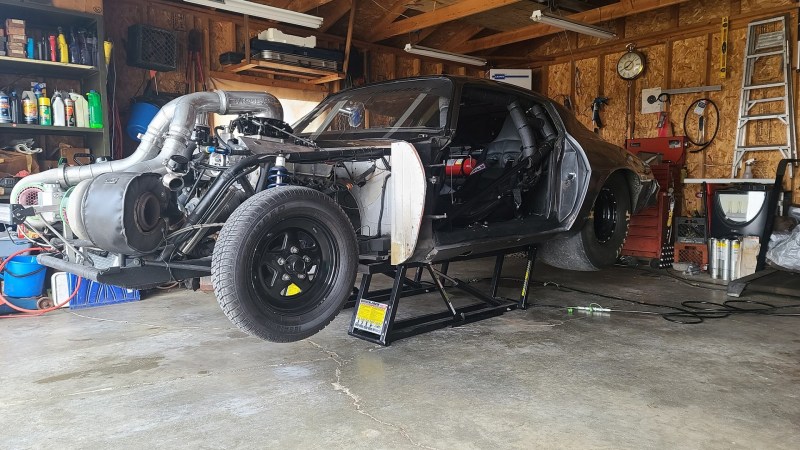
374	316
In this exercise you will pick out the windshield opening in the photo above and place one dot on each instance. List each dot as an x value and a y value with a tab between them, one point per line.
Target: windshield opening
396	110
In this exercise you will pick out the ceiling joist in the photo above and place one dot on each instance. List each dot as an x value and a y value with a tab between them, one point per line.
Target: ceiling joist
436	17
605	13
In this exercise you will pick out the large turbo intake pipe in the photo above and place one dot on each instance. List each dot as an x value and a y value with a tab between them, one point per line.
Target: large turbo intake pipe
169	130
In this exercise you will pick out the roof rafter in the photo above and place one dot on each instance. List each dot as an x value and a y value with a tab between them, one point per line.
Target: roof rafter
438	16
535	30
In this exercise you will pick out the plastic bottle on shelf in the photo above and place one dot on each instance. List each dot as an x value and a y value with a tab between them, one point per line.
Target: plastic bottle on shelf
81	110
5	108
63	48
16	111
45	112
95	110
69	111
59	111
30	110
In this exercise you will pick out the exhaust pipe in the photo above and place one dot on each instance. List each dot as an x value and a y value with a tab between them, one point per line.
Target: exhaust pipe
170	130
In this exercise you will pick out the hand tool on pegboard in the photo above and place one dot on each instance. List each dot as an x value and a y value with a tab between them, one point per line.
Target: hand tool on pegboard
194	62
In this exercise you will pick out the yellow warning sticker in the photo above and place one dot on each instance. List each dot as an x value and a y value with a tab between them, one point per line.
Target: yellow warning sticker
370	316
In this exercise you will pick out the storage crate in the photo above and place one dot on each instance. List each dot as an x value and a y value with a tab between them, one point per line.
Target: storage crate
690	230
152	48
92	293
692	253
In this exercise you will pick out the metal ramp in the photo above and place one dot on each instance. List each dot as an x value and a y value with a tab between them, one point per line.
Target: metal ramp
765	39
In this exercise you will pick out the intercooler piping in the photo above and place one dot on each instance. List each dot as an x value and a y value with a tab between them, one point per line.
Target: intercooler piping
170	130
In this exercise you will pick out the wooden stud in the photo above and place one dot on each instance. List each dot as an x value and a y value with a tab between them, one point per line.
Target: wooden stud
438	16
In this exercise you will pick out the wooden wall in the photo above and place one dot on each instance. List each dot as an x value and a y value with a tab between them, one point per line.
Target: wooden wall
682	47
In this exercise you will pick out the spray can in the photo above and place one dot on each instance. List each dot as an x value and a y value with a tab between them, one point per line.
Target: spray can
30	49
53	48
736	247
63	48
725	259
69	112
713	261
30	110
58	110
45	112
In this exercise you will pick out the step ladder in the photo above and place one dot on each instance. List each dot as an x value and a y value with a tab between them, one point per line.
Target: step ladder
766	39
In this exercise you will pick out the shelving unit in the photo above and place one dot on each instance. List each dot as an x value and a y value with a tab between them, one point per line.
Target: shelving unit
90	77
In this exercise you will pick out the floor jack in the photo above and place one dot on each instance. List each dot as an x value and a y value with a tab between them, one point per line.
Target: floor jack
374	316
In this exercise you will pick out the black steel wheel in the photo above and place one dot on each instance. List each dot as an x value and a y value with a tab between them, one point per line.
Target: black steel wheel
285	263
599	242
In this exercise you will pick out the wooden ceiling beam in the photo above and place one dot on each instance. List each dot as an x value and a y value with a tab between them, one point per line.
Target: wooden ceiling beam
461	36
338	9
306	5
535	30
438	16
392	13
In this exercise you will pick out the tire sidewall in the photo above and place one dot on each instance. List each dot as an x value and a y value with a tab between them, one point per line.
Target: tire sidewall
298	204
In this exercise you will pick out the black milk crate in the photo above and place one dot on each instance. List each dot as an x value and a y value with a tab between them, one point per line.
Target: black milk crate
152	48
690	230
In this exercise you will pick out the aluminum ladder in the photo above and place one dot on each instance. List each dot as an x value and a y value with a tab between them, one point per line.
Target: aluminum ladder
766	39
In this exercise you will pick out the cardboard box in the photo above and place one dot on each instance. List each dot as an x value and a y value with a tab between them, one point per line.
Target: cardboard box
68	153
15	22
88	6
17	39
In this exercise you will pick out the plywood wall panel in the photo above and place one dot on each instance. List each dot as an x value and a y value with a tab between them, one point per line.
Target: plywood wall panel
654	76
649	22
613	115
560	81
382	66
703	11
587	88
754	6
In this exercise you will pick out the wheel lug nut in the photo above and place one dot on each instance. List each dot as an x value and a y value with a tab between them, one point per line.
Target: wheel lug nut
306	259
294	250
285	277
281	261
301	276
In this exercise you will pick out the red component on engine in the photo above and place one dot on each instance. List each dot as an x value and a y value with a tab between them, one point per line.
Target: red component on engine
460	167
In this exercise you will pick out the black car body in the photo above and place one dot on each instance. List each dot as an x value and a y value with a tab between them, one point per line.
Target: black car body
413	170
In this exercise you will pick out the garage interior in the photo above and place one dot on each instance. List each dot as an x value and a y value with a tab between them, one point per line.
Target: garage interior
689	339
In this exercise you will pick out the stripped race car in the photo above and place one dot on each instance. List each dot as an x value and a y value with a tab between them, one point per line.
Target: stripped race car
414	170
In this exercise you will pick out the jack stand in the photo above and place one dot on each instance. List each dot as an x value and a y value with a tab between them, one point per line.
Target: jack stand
374	314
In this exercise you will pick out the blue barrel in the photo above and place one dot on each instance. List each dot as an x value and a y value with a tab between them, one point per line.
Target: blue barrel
23	277
141	114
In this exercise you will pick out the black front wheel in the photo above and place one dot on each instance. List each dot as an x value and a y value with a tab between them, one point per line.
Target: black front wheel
285	263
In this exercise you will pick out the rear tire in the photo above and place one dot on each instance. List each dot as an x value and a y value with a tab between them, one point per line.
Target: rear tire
285	263
600	241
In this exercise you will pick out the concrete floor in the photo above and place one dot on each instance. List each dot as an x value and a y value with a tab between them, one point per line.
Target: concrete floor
172	372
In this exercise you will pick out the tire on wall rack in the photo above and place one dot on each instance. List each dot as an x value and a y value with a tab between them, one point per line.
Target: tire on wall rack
600	241
285	263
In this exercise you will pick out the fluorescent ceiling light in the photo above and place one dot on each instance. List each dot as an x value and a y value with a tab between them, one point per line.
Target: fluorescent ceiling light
441	54
567	24
263	11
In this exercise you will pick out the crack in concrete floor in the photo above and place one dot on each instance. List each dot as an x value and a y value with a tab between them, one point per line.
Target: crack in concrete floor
340	387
